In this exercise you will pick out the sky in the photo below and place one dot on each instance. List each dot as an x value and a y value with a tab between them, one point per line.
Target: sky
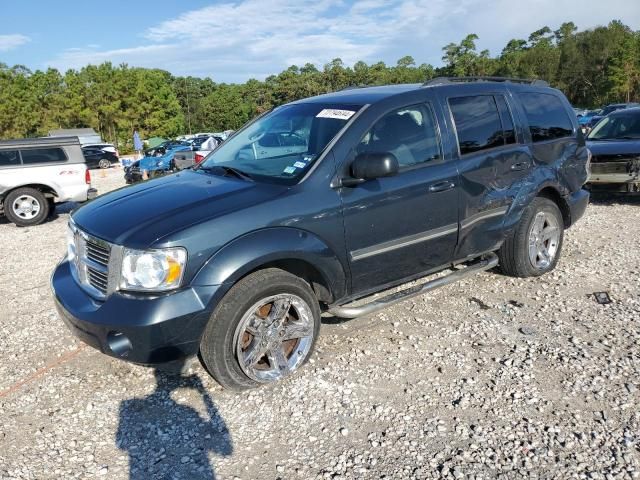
234	40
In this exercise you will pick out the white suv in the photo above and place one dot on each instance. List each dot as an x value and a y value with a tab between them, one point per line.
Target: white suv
35	173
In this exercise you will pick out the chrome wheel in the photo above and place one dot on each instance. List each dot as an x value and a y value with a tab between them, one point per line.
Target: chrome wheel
26	207
274	337
544	239
104	163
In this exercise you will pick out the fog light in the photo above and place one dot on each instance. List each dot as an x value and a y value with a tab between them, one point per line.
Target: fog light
119	344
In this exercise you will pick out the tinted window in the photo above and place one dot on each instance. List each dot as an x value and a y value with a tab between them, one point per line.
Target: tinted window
43	155
9	158
546	115
477	123
409	133
508	131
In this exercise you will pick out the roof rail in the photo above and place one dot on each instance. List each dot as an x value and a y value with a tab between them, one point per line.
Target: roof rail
449	80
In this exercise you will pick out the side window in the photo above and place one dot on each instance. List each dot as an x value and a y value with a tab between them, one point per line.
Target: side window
409	133
9	158
43	155
477	123
546	115
508	130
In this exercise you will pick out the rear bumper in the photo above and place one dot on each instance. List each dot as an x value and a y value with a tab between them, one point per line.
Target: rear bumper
137	328
577	203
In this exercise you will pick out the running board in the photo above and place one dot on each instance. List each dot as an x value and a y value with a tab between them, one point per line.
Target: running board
484	263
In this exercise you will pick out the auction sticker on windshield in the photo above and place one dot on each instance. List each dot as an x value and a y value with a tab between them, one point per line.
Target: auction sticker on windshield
334	113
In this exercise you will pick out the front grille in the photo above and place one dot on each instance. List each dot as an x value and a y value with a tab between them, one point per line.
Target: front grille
99	253
98	279
91	262
610	167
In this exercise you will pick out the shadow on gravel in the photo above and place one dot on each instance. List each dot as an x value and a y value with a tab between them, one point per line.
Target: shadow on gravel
169	440
603	198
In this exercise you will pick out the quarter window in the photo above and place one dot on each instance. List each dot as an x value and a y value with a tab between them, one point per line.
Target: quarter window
42	155
9	158
546	115
477	123
409	133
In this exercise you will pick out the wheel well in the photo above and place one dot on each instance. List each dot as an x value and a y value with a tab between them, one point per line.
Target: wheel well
46	189
306	271
553	195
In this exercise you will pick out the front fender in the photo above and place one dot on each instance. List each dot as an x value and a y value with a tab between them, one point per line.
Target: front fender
268	245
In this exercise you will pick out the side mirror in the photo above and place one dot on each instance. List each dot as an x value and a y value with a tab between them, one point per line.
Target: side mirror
369	166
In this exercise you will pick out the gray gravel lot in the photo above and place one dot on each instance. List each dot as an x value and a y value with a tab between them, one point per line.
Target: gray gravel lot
490	377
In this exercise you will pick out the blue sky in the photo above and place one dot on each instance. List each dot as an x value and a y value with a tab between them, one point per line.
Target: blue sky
233	40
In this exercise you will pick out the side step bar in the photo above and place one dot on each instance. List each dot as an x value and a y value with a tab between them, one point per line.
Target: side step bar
484	263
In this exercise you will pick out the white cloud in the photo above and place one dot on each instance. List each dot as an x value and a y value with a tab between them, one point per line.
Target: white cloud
234	41
9	42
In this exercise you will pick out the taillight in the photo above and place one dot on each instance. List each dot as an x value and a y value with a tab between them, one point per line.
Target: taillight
198	158
87	176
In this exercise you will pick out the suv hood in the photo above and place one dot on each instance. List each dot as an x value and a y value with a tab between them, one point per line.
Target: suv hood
615	149
141	214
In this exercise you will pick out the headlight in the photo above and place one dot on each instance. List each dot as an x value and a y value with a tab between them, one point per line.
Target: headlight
152	270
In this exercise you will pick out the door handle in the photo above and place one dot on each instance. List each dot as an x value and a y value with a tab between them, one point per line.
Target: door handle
519	166
441	186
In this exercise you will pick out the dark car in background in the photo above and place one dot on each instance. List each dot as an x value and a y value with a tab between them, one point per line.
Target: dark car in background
615	145
610	109
234	260
98	157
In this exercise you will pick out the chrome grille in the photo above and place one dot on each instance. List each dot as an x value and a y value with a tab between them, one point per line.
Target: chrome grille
92	263
99	253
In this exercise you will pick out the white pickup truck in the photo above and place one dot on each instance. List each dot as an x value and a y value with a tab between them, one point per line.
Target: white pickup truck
36	173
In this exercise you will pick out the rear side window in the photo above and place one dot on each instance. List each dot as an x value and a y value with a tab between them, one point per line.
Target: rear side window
547	117
42	155
477	123
9	158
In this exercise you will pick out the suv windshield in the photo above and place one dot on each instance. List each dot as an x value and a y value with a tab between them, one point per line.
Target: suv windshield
282	145
615	127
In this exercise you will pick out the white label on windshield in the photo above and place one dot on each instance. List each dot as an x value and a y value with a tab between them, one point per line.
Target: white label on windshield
333	113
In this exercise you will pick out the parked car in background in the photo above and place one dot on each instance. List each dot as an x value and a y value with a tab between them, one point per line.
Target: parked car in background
162	148
236	259
36	173
588	115
615	145
609	109
154	165
97	157
199	151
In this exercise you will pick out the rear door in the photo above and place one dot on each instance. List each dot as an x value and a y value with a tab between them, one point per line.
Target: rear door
493	163
397	227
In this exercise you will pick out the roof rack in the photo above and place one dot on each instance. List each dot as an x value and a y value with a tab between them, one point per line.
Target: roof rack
449	80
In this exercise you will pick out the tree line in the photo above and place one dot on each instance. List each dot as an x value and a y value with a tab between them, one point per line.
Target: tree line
592	67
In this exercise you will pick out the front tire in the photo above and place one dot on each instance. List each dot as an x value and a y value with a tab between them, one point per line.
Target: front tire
104	163
534	247
26	207
262	331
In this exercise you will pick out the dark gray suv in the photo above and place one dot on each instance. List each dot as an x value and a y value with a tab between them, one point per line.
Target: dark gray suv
236	259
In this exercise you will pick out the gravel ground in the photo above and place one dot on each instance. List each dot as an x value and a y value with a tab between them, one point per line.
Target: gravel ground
490	377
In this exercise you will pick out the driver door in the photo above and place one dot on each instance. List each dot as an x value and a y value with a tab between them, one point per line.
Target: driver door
398	227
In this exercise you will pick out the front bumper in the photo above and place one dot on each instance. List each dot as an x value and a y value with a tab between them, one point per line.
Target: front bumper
142	329
577	203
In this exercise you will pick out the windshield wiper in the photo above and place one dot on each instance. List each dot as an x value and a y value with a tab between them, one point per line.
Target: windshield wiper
229	170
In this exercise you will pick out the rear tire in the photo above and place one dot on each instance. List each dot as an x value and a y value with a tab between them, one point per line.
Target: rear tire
269	321
104	163
534	247
26	207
